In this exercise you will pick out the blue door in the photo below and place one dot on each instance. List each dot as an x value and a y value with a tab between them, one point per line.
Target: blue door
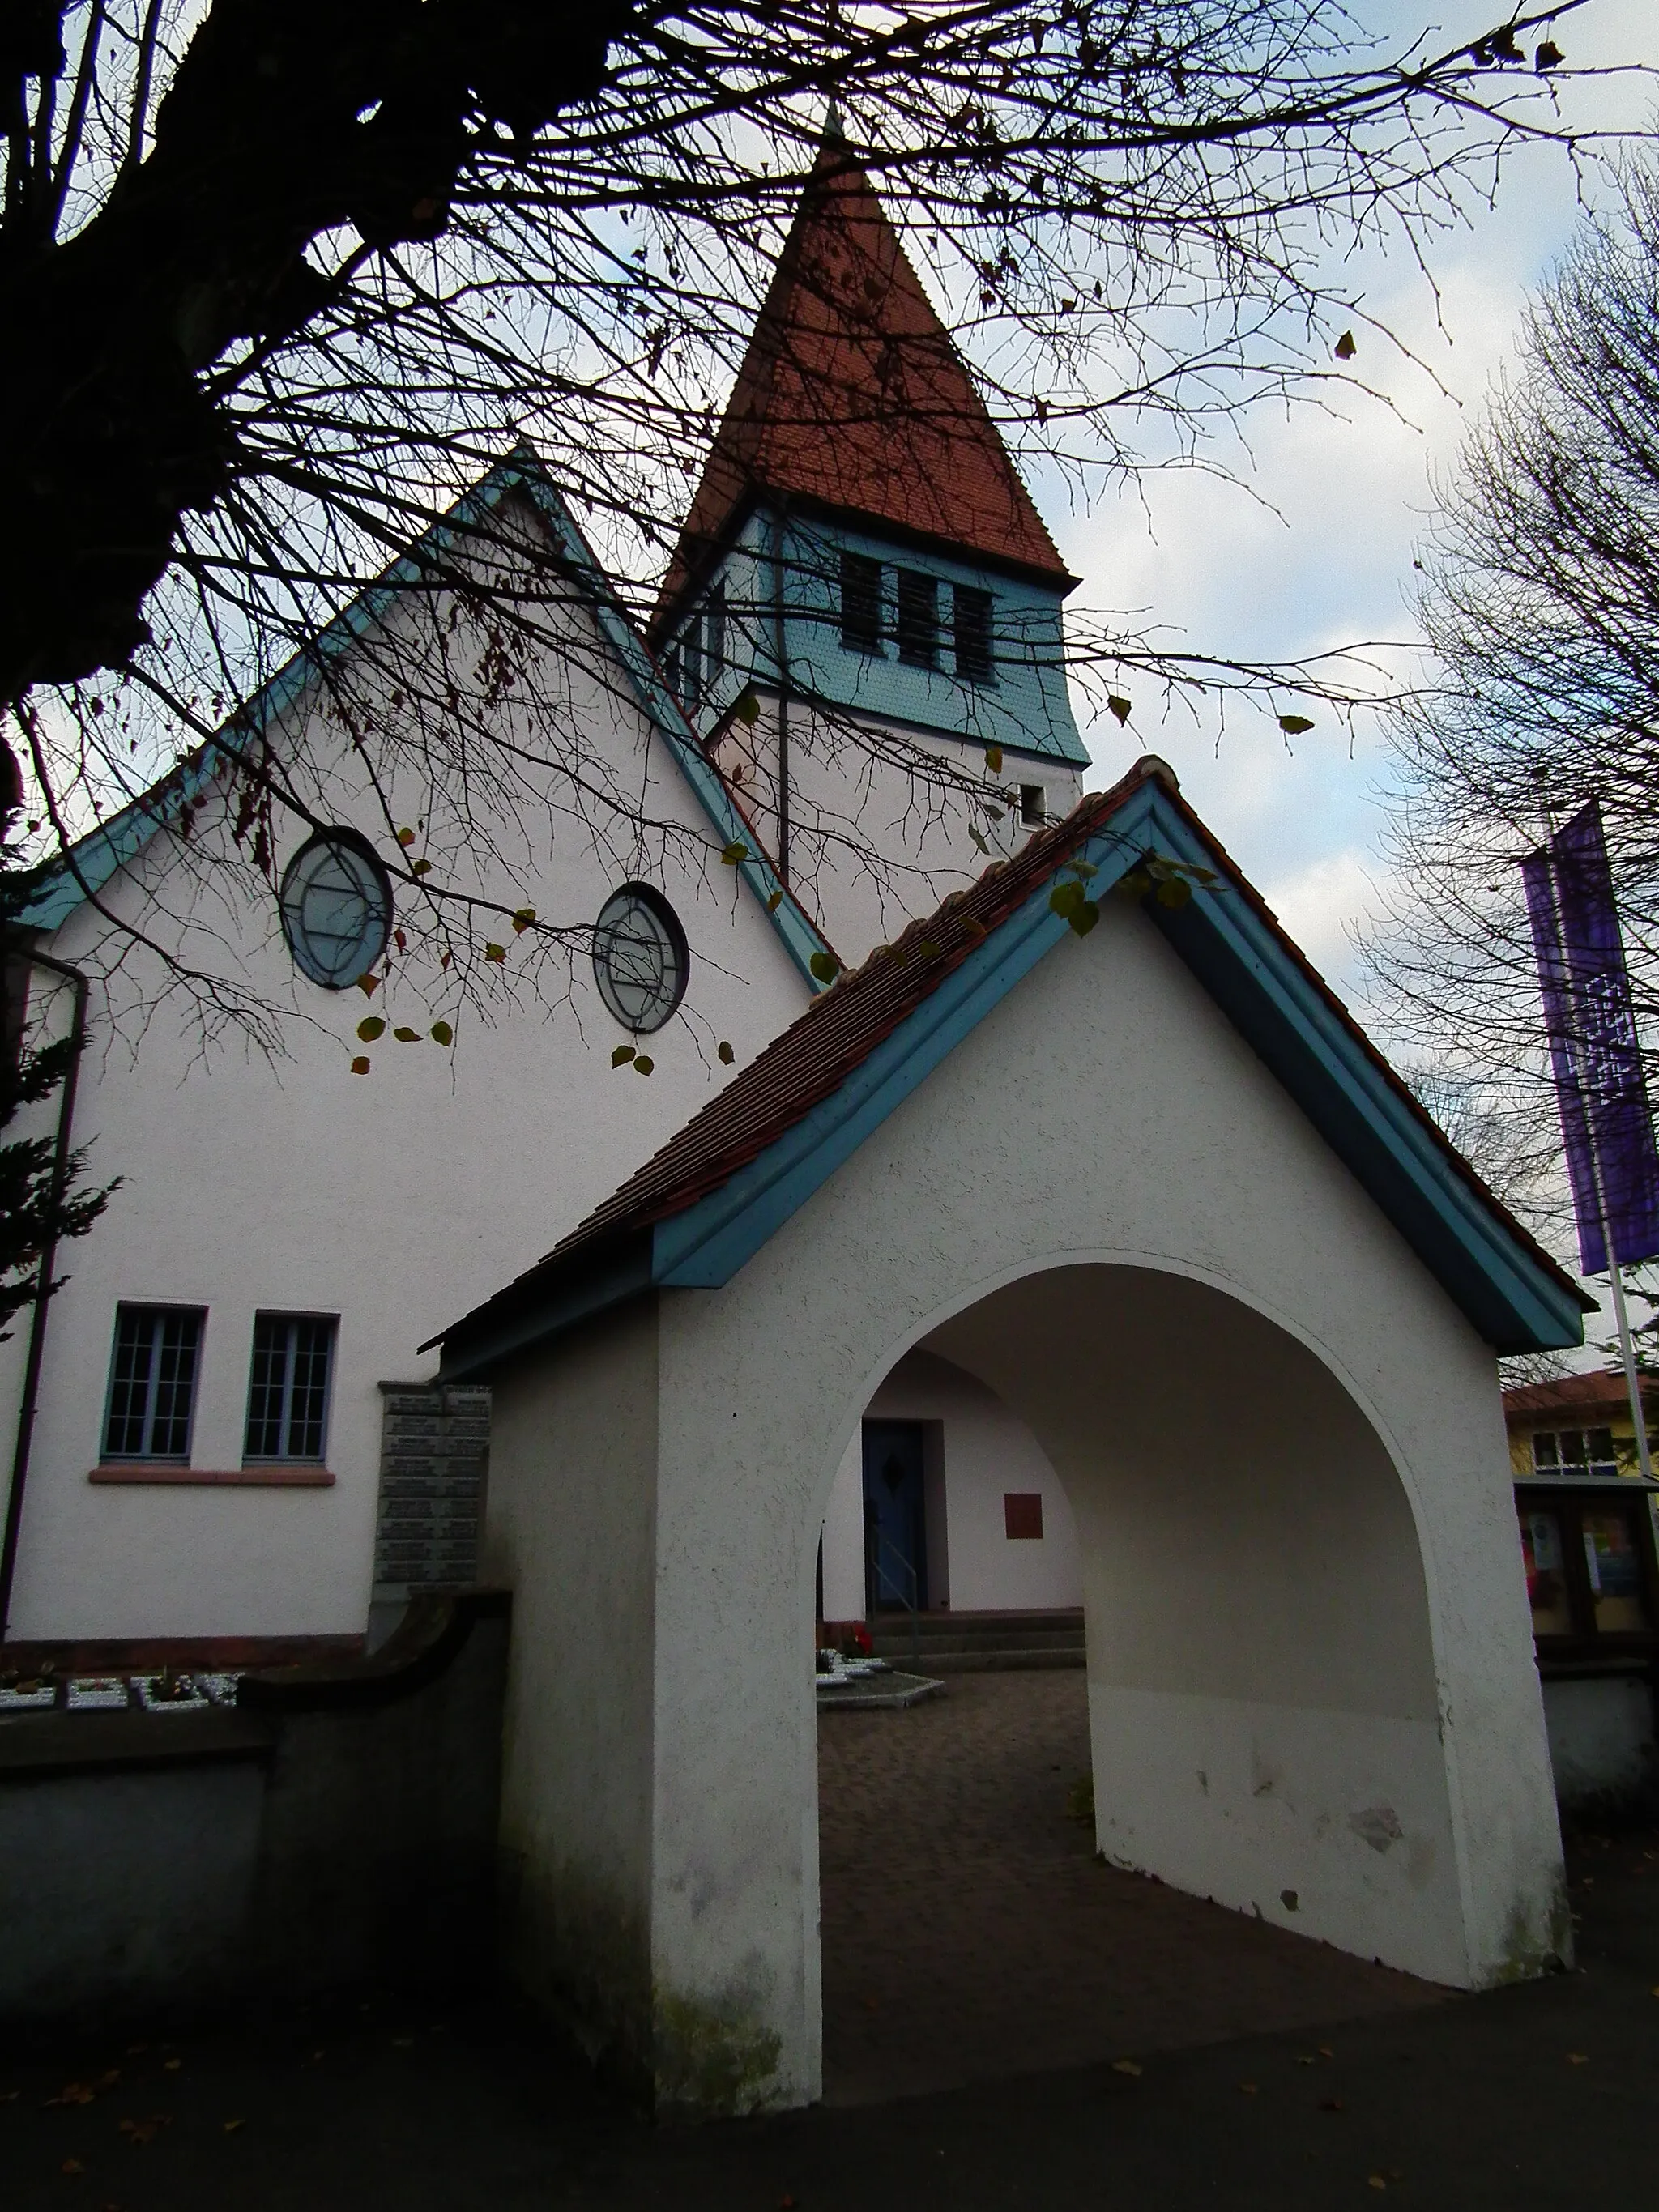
894	1531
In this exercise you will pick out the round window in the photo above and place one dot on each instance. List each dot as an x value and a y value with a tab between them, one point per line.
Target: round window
640	957
336	910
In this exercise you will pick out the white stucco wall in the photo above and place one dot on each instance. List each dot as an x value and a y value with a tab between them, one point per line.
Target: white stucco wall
395	1202
988	1451
880	815
1105	1116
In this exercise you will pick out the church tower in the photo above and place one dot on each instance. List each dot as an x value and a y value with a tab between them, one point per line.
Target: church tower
862	559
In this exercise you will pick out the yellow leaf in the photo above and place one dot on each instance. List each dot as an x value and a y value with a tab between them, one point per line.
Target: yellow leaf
1119	707
994	759
1127	2066
360	1065
405	836
1579	2059
524	916
231	2126
443	1034
824	966
370	1027
1345	347
735	852
1375	2181
420	867
747	710
774	902
368	985
495	952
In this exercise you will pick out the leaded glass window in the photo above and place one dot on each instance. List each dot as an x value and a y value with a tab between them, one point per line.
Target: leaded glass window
287	1390
152	1390
336	908
641	959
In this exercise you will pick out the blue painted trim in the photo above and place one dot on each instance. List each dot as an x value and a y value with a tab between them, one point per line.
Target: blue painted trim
802	940
92	859
1513	1302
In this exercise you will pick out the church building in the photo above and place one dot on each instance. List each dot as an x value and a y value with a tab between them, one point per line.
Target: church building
855	675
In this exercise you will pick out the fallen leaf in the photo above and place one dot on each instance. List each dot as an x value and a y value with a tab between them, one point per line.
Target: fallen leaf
1306	2058
402	2042
108	2080
9	2096
1325	2051
231	2126
1330	2105
1248	2088
72	2093
1579	2059
1127	2066
73	2165
1375	2181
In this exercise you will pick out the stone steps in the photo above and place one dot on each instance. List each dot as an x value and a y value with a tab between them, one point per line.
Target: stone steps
971	1642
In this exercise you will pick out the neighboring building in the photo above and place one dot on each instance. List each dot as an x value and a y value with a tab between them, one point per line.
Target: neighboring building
1588	1539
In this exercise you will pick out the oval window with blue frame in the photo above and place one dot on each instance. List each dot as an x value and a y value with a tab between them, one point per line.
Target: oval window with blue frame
337	908
641	959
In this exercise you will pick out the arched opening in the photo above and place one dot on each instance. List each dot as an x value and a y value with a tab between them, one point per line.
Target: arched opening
1259	1727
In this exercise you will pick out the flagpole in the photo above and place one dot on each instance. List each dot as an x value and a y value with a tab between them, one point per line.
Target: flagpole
1615	1275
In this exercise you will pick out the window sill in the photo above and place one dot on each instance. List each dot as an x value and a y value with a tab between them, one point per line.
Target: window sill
298	1476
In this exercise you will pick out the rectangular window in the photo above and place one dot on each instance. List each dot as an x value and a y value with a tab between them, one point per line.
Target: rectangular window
1033	806
713	636
1575	1451
1614	1566
1547	1584
971	612
918	618
692	663
152	1388
287	1390
860	603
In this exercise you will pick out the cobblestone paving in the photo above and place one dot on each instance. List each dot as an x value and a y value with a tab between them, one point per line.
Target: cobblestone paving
970	1932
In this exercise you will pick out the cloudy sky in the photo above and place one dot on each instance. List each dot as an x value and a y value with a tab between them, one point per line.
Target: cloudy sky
1333	563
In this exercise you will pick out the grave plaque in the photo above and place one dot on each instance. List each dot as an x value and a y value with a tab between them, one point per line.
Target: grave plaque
434	1456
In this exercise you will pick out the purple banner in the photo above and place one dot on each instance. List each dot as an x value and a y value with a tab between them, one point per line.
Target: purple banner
1591	1025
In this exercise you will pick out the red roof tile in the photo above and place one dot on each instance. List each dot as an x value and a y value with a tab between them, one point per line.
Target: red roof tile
853	396
1578	1395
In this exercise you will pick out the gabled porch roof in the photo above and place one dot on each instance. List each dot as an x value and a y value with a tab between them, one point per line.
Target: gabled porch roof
712	1195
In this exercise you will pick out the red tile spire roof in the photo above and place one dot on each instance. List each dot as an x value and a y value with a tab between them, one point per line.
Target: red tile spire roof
853	397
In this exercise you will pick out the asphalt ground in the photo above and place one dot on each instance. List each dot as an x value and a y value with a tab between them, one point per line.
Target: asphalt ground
1545	2095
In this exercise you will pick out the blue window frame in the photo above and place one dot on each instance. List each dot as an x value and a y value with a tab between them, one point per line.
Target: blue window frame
289	1387
152	1384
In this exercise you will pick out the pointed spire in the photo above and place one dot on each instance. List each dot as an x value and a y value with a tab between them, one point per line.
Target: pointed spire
852	397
